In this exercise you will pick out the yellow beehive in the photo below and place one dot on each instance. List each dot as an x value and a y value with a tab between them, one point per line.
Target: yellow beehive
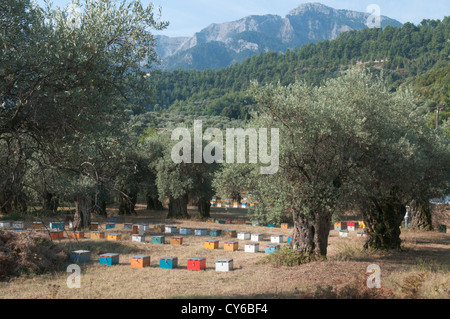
97	235
114	237
284	226
230	245
176	240
361	224
211	244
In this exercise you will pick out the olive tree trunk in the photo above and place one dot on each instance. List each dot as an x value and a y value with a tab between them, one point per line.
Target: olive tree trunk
178	207
420	215
204	208
82	217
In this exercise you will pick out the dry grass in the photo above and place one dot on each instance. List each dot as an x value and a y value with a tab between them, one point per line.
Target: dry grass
420	270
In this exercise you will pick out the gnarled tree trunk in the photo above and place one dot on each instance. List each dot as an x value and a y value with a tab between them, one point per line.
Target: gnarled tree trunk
82	217
178	207
127	204
420	215
153	202
204	208
51	202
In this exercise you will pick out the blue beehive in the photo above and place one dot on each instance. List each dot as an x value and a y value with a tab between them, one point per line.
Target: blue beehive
127	226
168	262
158	239
113	219
215	232
80	256
271	225
109	259
185	231
289	240
56	225
270	248
201	232
110	226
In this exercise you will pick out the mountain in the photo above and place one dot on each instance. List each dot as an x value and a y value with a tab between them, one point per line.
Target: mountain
220	45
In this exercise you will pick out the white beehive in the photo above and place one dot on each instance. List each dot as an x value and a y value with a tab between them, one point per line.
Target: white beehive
171	229
138	238
18	225
251	247
224	264
343	233
5	223
276	239
256	237
244	235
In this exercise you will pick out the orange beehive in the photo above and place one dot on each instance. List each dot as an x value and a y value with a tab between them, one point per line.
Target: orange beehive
230	245
284	226
36	225
140	261
114	237
176	240
135	229
77	234
97	235
211	244
56	234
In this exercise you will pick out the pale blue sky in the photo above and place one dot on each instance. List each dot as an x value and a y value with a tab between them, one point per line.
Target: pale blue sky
189	16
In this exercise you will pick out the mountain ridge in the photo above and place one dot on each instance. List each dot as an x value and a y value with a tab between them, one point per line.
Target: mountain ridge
221	44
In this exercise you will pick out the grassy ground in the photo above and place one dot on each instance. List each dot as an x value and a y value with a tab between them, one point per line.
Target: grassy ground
420	270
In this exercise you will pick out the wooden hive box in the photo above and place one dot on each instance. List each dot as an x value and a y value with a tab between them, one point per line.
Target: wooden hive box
251	247
176	240
114	237
170	229
168	262
185	231
158	239
159	228
97	235
284	226
337	226
80	256
215	232
56	225
361	234
94	226
240	222
256	237
138	238
343	233
244	235
110	225
244	205
5	224
224	264
230	233
211	220
77	234
135	229
196	263
127	226
231	245
255	223
56	234
361	224
36	225
201	232
113	219
109	259
18	225
228	221
140	261
270	248
235	205
213	204
219	221
351	226
276	238
211	244
271	225
289	239
128	219
144	227
219	204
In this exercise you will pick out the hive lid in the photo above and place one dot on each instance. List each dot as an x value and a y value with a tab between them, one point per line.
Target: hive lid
244	232
197	258
109	255
168	258
80	251
114	234
225	260
140	256
230	242
253	244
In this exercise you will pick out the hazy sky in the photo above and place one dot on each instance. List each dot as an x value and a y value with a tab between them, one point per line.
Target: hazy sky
189	16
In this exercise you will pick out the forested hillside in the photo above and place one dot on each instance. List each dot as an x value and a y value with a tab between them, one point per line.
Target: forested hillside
411	54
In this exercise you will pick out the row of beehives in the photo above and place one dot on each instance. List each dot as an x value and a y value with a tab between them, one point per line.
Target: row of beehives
142	261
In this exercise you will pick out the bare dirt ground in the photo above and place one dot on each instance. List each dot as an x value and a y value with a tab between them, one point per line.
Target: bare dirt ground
420	270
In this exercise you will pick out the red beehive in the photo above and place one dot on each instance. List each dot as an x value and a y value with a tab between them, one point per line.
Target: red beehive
196	263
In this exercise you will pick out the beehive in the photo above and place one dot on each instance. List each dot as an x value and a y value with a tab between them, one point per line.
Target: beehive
230	245
360	234
170	229
138	238
211	220
158	239
109	259
343	233
114	237
270	248
255	223
140	261
144	227
128	219
224	264
36	225
284	226
56	234
215	232
176	240
276	238
244	235
289	239
361	225
271	225
244	205
220	221
211	244
94	226
110	225
168	262
159	228
196	263
201	232
240	222
18	225
80	256
235	205
113	219
227	204
251	247
127	226
77	234
351	226
252	204
5	224
219	204
97	235
56	225
230	233
213	204
337	226
256	237
228	221
185	231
